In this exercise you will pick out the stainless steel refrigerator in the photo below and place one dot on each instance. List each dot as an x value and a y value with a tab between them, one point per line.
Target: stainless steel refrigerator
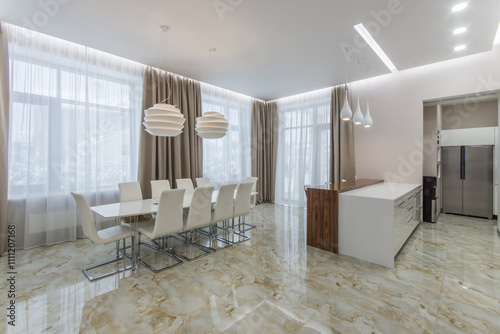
467	176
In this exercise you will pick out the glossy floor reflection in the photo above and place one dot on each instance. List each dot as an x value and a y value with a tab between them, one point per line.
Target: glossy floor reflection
446	280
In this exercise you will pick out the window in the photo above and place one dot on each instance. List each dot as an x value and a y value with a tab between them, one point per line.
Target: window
303	145
74	126
70	127
227	160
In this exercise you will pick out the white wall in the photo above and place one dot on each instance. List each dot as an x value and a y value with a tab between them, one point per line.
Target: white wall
393	148
478	115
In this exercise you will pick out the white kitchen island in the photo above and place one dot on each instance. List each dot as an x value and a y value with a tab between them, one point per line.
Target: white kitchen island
376	221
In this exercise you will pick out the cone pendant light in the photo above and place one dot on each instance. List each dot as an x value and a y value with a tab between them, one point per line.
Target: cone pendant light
358	116
367	121
346	112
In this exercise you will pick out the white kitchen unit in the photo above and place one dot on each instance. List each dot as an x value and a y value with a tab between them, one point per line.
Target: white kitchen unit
376	221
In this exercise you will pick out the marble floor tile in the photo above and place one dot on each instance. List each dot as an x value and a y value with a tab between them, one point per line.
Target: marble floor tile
446	279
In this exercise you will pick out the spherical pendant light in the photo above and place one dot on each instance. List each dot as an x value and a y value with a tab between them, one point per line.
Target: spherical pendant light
164	120
212	125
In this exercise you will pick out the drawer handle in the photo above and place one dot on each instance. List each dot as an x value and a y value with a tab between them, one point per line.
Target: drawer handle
408	220
411	207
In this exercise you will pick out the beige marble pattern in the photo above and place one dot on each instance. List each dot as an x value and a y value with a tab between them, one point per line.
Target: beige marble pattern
446	280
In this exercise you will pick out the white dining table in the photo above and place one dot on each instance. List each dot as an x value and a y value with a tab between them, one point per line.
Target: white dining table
137	208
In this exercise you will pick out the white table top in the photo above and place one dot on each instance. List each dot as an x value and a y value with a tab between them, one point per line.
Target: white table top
135	208
386	190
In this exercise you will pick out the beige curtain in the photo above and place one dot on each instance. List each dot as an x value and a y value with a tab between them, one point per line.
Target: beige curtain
342	164
175	157
4	134
265	148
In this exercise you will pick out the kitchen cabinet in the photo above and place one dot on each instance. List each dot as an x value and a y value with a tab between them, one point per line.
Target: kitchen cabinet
376	221
322	212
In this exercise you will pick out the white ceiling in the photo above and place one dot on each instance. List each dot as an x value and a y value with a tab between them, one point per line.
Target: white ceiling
265	48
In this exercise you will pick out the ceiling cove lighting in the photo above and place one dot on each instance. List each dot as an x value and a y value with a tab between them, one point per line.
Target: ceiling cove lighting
459	7
460	47
360	28
459	31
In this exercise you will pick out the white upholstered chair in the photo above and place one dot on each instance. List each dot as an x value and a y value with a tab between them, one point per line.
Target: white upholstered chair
199	215
202	182
130	191
223	211
111	234
242	207
168	221
185	184
157	187
253	198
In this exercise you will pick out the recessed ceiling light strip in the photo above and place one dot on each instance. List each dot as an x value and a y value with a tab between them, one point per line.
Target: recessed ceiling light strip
459	7
360	28
459	31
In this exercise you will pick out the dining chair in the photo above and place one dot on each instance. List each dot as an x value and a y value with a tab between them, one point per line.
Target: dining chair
104	236
199	215
222	212
202	182
185	184
253	198
131	191
242	208
157	187
168	221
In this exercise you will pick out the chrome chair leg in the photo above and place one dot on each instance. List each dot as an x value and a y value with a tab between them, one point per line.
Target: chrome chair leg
189	241
240	234
118	257
169	254
212	234
245	223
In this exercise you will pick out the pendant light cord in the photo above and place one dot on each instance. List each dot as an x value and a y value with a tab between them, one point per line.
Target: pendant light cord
345	51
357	75
165	28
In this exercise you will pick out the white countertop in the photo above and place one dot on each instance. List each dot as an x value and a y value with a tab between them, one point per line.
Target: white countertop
386	190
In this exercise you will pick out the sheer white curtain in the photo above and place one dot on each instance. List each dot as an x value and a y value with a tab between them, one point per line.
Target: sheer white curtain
74	126
227	160
303	145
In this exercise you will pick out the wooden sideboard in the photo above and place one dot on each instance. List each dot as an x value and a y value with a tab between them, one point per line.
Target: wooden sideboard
322	213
